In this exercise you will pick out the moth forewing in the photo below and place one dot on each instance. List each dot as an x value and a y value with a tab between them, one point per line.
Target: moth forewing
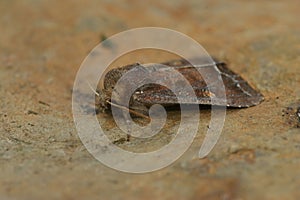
238	92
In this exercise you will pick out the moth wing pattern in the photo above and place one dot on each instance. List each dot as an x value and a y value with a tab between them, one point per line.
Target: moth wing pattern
238	92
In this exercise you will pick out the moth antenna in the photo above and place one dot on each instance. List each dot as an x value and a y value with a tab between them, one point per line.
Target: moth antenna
129	110
96	93
214	63
219	63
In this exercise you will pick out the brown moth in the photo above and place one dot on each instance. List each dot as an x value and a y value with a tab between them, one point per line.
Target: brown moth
239	93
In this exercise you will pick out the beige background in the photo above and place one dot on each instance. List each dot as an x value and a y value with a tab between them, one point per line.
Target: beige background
42	45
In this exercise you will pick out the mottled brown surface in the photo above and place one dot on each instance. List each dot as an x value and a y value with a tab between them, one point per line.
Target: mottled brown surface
237	91
42	45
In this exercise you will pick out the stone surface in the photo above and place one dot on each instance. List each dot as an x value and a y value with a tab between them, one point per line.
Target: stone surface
42	45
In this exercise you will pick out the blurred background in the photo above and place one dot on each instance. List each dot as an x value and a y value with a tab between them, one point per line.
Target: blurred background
42	45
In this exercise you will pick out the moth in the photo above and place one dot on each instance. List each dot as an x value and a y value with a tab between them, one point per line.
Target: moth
239	94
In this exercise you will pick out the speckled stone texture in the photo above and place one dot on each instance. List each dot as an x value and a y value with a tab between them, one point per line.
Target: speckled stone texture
42	45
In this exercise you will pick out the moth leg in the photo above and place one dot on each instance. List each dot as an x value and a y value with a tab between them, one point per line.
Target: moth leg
127	118
128	125
137	109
